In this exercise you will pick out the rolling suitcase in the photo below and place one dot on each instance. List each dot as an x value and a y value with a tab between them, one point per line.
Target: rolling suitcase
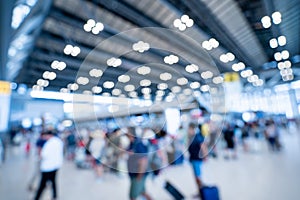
173	191
209	193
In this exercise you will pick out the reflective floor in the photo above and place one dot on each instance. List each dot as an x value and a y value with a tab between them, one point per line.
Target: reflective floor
259	175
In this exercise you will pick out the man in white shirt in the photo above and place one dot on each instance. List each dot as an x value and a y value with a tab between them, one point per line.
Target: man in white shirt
51	161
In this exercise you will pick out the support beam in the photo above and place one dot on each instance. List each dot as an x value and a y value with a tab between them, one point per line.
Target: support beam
6	8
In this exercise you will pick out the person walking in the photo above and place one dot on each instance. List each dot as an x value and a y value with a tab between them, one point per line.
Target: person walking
198	152
137	166
51	160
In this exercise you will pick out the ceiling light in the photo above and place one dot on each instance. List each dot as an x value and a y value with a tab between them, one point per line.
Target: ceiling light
91	25
195	85
99	26
241	66
171	59
143	70
95	31
96	73
276	16
258	83
235	67
177	23
189	23
46	74
141	46
252	78
246	73
266	21
42	83
206	45
267	25
91	22
160	93
282	40
207	74
96	89
285	54
54	64
75	51
191	68
182	27
182	81
146	90
82	80
224	58
106	94
273	43
176	89
87	28
61	66
204	88
124	78
277	56
133	94
162	86
37	88
52	76
169	99
289	77
184	22
165	76
217	80
87	92
230	56
145	83
114	62
73	86
213	42
287	64
277	21
116	92
108	84
129	88
281	65
68	49
64	90
285	72
184	18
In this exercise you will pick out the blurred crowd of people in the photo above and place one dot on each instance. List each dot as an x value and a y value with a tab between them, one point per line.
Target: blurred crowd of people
147	151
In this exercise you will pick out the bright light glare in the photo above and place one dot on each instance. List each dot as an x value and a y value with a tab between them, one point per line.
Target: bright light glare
282	40
273	43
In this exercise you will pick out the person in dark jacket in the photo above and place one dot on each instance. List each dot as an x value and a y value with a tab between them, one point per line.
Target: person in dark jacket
198	152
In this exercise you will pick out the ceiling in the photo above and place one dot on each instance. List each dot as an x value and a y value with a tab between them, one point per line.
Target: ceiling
236	24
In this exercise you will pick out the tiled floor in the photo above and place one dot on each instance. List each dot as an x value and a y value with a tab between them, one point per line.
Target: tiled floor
253	176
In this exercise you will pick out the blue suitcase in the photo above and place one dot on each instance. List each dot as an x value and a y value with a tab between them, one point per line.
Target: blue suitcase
209	193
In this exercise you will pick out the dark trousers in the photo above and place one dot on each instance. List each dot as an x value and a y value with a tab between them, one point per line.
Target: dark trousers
47	176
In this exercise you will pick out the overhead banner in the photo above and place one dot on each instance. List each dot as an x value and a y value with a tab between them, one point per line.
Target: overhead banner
5	87
233	90
5	92
231	77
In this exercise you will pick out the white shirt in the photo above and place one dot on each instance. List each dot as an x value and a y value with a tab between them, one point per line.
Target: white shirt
52	155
